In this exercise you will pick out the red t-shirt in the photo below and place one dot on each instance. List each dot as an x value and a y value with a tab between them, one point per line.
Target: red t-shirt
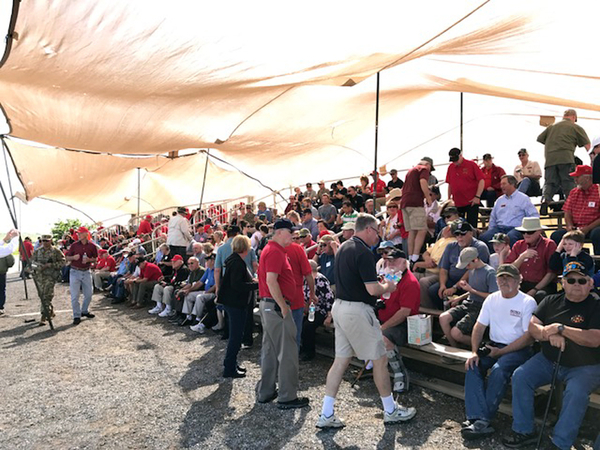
300	268
107	262
151	272
412	194
406	295
28	249
533	269
144	228
463	181
78	248
273	259
380	185
313	252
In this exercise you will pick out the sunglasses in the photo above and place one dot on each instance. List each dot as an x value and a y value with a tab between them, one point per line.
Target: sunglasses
392	207
295	238
322	245
529	232
45	240
460	233
581	281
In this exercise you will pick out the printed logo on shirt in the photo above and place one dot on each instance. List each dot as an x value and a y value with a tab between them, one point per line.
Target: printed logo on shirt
515	313
577	318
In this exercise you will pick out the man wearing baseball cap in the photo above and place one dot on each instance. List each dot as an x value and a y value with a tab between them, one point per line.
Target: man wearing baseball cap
506	314
145	226
582	208
465	185
567	325
492	175
82	254
457	323
178	234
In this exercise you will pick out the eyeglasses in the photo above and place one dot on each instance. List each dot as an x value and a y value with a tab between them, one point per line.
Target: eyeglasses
392	207
322	245
295	238
529	232
580	281
374	229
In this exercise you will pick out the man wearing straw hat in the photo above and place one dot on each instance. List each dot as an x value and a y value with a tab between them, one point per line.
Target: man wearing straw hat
531	255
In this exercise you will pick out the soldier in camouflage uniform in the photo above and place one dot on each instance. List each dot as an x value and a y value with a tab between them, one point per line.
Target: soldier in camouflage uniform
47	263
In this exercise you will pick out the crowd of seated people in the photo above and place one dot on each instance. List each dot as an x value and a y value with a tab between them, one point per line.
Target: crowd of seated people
442	256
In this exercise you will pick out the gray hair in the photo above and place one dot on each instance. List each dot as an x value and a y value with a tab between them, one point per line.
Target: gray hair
364	221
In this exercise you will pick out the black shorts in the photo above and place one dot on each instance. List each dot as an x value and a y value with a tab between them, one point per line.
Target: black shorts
464	317
398	334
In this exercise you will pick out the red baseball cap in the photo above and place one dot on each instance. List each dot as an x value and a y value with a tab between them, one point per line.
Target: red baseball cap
149	217
581	170
102	251
82	230
177	258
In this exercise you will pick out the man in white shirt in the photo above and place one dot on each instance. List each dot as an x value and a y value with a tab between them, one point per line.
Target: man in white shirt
528	175
179	236
7	246
507	313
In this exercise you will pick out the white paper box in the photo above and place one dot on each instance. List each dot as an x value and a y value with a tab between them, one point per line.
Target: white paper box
419	329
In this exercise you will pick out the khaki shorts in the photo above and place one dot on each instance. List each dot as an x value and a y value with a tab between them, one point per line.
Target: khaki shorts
357	331
414	218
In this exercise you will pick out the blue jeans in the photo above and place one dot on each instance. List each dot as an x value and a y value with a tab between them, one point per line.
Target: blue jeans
524	185
593	235
580	382
80	279
513	234
482	402
237	319
298	316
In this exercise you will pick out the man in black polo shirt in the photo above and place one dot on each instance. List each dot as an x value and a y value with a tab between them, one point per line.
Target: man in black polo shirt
357	330
568	322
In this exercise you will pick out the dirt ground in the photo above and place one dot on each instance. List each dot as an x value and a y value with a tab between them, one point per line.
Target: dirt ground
128	380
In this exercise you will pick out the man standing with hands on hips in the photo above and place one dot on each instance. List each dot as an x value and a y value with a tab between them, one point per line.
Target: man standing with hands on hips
279	358
357	330
82	254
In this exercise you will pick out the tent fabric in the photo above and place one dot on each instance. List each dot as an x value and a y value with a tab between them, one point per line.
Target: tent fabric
284	93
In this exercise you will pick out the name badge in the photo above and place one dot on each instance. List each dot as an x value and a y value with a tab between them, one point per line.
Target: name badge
591	204
328	264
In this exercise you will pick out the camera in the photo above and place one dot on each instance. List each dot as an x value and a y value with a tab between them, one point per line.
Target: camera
484	349
379	305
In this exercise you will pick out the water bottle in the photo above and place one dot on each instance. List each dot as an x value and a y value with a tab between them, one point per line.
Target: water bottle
311	312
393	278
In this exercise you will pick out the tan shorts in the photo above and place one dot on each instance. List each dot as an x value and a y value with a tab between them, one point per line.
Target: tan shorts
357	331
414	218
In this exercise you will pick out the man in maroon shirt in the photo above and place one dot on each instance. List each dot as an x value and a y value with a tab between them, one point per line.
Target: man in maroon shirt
302	271
465	185
531	256
276	287
415	192
150	274
145	226
81	254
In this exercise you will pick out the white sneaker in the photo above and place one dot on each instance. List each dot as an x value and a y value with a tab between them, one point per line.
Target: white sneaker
166	313
329	422
400	414
199	328
156	310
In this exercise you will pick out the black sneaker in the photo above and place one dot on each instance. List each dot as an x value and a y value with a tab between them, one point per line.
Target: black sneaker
76	320
269	399
518	440
299	402
89	315
241	369
235	374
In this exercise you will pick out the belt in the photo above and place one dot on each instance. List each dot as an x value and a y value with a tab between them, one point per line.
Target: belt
81	270
272	300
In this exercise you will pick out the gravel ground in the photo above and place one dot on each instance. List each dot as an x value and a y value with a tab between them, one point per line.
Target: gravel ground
128	380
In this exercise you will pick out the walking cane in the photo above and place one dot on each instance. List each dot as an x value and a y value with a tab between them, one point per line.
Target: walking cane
552	385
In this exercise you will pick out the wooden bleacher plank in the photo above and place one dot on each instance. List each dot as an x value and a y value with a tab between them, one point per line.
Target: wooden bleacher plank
430	358
444	350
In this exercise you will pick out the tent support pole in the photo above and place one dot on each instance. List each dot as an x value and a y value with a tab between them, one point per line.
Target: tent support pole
13	213
461	121
138	197
203	183
375	172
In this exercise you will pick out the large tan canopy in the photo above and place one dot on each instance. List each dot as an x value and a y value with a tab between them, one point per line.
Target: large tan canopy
285	92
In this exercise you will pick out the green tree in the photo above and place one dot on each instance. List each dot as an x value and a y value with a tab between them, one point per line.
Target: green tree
61	227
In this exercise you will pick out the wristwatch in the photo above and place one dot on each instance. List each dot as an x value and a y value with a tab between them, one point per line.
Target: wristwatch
561	328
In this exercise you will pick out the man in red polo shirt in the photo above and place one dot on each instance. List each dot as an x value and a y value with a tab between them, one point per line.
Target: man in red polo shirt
582	208
302	271
150	274
465	185
381	190
81	254
276	287
531	255
145	226
106	265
